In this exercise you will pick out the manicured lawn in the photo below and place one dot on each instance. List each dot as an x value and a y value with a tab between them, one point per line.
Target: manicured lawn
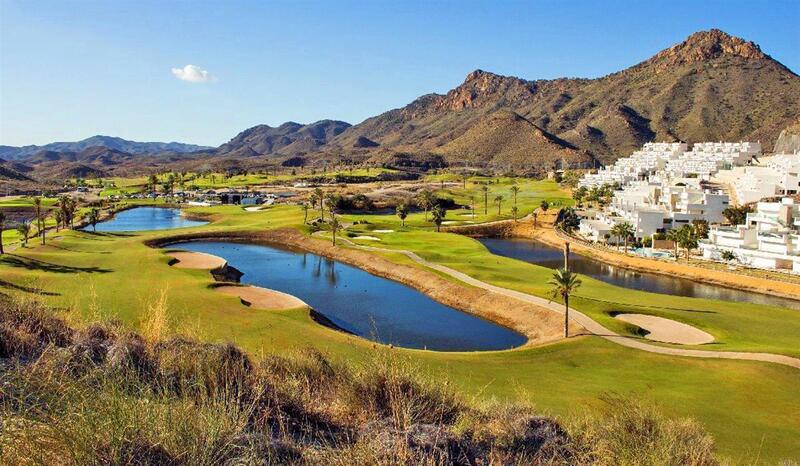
747	406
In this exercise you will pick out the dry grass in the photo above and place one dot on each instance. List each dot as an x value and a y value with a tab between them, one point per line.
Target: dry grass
104	395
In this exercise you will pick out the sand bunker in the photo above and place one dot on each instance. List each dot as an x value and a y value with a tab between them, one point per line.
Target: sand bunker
383	231
667	331
196	260
451	222
368	238
262	298
252	209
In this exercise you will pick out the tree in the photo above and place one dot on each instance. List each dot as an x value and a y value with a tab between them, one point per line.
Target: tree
2	222
569	220
700	228
24	230
438	213
736	215
544	205
320	196
425	200
485	190
59	217
535	217
726	255
152	181
313	199
37	203
564	283
579	194
402	212
688	240
67	206
674	235
472	206
623	231
514	192
304	206
499	201
335	226
514	212
94	216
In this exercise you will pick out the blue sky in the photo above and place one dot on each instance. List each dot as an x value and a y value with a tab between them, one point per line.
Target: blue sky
72	69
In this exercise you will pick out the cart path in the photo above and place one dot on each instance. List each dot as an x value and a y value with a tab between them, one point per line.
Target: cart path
585	321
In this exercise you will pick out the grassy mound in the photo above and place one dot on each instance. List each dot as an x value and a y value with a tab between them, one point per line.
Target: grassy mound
104	395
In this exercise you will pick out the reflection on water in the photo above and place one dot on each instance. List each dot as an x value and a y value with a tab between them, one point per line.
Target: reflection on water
366	305
147	218
547	256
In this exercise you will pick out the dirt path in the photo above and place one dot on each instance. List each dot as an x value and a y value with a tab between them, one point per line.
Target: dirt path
588	323
263	298
667	330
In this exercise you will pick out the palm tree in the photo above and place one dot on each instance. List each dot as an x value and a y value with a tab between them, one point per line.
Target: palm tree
514	212
59	217
94	216
425	200
438	213
564	283
24	230
402	212
626	231
472	205
535	217
335	226
2	221
304	206
514	192
485	189
688	239
37	203
499	201
674	235
320	196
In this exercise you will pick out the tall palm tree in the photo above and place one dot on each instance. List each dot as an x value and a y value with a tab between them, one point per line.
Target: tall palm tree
321	200
37	204
425	200
472	205
335	226
402	212
688	240
2	221
485	190
94	216
564	283
627	231
499	201
304	206
514	212
437	214
535	218
514	192
544	205
58	215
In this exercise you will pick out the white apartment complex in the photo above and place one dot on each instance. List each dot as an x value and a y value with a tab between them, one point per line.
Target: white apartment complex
773	176
652	157
770	238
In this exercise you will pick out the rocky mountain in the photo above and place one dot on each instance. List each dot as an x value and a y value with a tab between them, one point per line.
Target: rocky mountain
505	140
789	140
288	139
109	142
712	86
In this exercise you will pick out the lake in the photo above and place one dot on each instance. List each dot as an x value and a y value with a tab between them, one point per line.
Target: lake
361	303
146	218
548	256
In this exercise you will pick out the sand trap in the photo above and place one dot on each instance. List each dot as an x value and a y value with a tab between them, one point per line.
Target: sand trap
383	231
252	209
196	260
450	222
666	330
467	215
262	298
368	238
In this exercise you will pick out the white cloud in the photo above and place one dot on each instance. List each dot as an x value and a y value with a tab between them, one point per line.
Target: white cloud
193	74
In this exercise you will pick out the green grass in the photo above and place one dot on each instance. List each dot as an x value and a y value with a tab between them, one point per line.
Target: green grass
750	407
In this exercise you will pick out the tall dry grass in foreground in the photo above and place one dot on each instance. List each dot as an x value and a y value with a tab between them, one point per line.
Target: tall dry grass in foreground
104	395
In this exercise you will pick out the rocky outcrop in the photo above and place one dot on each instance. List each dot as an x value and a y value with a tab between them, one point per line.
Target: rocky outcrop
789	140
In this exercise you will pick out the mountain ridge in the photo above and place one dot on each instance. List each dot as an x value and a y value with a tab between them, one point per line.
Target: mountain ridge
111	142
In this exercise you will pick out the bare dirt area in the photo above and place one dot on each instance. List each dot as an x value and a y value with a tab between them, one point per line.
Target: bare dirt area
196	260
262	298
666	330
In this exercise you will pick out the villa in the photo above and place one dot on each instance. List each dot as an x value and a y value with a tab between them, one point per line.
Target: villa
769	238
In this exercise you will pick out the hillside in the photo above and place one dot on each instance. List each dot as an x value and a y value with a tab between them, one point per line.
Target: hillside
712	86
287	139
789	140
505	140
109	142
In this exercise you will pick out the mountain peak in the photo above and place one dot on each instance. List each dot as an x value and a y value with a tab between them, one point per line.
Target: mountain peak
707	45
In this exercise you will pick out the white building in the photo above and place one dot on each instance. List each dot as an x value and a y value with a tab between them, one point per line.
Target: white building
774	176
769	238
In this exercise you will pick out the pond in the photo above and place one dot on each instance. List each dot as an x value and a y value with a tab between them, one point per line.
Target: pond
358	302
147	218
548	256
